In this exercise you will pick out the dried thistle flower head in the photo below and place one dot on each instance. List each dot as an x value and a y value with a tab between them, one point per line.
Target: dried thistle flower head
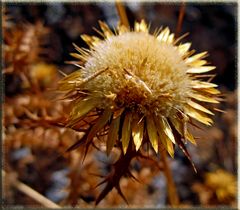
23	46
143	87
43	74
223	183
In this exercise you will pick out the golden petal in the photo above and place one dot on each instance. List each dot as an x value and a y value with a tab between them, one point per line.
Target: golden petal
157	31
167	129
168	145
163	36
137	132
136	26
166	34
90	40
106	30
86	38
141	27
190	137
166	141
160	36
82	51
77	48
210	90
201	117
163	126
122	29
95	40
198	63
65	86
170	39
201	69
126	131
195	57
81	109
181	128
113	134
79	56
183	48
199	107
200	85
188	54
152	133
201	97
101	122
67	82
180	38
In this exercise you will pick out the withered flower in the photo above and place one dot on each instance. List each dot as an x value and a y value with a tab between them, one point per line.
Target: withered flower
222	183
140	84
135	88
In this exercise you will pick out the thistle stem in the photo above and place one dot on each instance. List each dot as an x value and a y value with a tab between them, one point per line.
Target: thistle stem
122	13
180	19
172	192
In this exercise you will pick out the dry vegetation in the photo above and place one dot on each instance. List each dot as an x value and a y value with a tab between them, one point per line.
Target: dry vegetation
35	136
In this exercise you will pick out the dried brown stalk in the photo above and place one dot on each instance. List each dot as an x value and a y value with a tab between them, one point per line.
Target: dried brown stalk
172	192
180	19
32	193
122	13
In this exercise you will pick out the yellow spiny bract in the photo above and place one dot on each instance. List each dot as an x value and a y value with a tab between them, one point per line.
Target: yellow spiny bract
147	86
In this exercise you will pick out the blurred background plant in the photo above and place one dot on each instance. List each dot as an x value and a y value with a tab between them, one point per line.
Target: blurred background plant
37	40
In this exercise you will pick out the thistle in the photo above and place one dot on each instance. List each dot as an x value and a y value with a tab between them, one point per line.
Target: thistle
138	88
224	190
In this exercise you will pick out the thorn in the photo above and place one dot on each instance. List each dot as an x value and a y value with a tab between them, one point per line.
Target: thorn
132	176
86	150
180	38
94	75
79	142
121	194
104	193
184	149
62	73
100	183
74	146
219	110
141	119
99	32
94	145
98	175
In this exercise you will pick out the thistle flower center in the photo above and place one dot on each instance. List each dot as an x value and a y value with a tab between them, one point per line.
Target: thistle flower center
142	73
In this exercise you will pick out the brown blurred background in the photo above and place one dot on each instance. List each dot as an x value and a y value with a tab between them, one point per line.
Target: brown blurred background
212	27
